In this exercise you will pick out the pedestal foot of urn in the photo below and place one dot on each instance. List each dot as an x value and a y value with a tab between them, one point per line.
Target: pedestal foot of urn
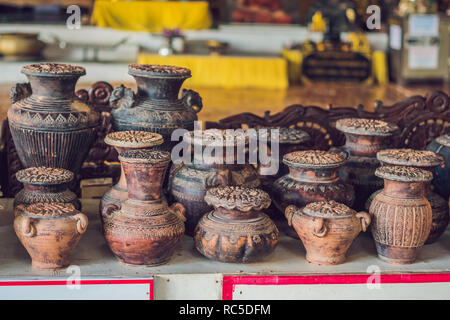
39	265
396	255
321	260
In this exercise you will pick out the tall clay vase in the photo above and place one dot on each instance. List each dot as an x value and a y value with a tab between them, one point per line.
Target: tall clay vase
236	230
124	141
188	182
327	229
426	160
441	179
42	184
401	215
156	106
363	139
49	125
49	232
144	230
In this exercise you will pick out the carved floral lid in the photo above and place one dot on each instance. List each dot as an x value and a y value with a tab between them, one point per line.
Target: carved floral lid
134	139
51	209
410	157
328	209
158	70
372	127
239	198
145	156
444	140
313	159
403	174
216	137
286	135
53	69
44	176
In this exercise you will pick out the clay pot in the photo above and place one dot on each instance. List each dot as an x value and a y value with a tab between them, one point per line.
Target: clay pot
441	179
426	160
363	139
49	232
327	229
156	106
188	182
144	230
401	215
124	141
236	230
50	126
21	45
42	184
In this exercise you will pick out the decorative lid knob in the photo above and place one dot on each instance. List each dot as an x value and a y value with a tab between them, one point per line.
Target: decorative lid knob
134	139
328	209
410	157
286	135
403	174
50	68
216	137
366	126
239	198
158	70
313	159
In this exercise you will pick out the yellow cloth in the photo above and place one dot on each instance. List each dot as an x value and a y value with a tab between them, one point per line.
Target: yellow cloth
151	16
227	72
379	67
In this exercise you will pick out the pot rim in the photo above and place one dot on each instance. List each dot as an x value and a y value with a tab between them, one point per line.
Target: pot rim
71	71
145	70
366	127
134	138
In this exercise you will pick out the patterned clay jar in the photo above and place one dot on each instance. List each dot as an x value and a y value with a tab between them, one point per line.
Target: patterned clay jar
236	230
49	232
42	184
327	229
426	160
156	106
188	182
441	179
123	141
50	126
401	215
363	139
144	230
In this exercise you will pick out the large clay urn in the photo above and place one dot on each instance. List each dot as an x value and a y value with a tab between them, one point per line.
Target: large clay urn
124	141
50	126
144	230
42	184
236	230
426	160
401	214
49	232
189	181
156	106
327	229
441	179
363	139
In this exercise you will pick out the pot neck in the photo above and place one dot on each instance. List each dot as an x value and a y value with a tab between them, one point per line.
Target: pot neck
326	175
400	189
159	88
234	214
54	87
49	188
364	145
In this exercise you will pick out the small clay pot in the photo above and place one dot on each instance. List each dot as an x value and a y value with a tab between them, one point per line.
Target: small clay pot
401	215
441	179
327	229
42	184
236	230
49	232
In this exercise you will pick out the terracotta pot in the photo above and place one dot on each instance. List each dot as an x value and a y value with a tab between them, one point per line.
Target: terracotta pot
327	229
401	214
236	230
50	126
426	160
363	139
21	45
49	232
156	106
42	184
124	141
144	231
441	179
188	182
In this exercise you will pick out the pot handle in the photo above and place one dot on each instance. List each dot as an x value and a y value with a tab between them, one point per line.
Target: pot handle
28	227
179	210
192	99
109	208
82	222
364	219
122	97
320	230
20	91
289	213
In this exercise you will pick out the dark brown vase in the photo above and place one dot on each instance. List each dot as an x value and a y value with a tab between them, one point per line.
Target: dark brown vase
144	230
363	139
124	141
50	126
188	182
441	180
42	184
236	230
156	107
401	215
426	160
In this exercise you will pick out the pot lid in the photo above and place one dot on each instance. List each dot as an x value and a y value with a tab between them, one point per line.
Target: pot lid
51	209
216	137
286	135
313	159
444	140
145	156
44	176
410	157
53	69
239	198
372	127
328	209
134	139
403	174
158	70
